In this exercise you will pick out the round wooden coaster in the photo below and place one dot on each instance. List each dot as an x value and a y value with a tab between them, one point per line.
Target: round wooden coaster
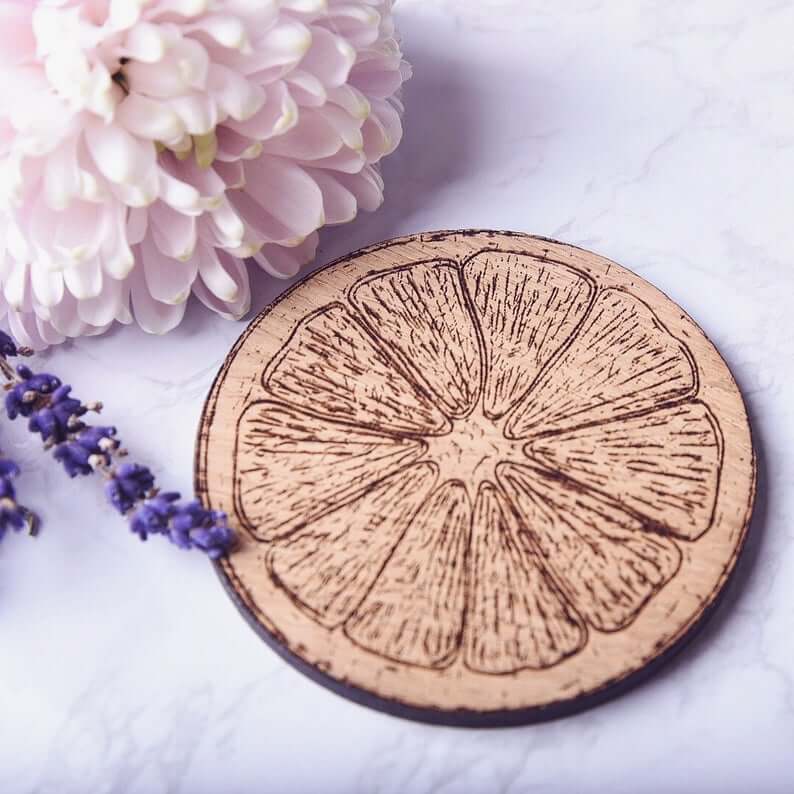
481	478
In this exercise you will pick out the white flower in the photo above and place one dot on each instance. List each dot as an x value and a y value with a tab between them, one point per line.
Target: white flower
148	146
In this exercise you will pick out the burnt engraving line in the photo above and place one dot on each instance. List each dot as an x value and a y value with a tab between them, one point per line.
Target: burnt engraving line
239	458
559	581
273	545
556	355
405	364
545	375
534	558
651	525
451	656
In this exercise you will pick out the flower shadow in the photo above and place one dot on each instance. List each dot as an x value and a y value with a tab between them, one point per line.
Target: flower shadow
440	120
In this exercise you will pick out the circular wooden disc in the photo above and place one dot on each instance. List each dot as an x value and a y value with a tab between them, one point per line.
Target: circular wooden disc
481	478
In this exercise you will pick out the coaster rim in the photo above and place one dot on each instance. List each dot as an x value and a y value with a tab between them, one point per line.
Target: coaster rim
463	717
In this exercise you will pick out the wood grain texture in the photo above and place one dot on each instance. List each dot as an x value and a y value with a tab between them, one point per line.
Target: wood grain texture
481	478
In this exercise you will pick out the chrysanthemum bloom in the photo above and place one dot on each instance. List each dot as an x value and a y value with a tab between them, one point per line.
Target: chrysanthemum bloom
148	146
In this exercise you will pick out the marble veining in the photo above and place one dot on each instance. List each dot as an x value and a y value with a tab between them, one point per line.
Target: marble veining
659	134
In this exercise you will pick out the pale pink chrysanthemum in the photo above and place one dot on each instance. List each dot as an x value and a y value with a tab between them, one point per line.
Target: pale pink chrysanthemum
147	147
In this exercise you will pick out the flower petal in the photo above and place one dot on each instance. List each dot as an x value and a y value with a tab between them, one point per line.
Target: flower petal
527	310
515	618
173	232
278	115
420	312
330	58
65	319
17	39
167	279
330	565
315	137
664	465
284	262
84	279
330	366
339	204
118	155
306	89
215	275
236	96
106	307
294	466
290	203
47	284
184	67
366	186
597	553
623	361
414	612
382	131
230	294
357	22
279	49
31	331
145	42
155	317
150	119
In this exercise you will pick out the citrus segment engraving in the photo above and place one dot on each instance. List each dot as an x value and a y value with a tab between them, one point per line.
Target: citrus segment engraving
598	553
623	361
665	465
293	466
329	565
516	619
414	612
478	474
527	310
331	366
419	312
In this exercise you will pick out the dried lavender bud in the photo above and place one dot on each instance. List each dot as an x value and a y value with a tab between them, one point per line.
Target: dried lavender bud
54	421
129	484
12	514
74	457
154	515
194	526
98	440
81	449
8	347
22	397
8	470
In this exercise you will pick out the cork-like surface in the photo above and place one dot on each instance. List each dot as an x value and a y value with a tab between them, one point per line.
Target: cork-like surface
480	478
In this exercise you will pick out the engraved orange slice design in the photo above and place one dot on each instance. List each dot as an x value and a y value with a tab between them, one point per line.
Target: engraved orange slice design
477	474
450	422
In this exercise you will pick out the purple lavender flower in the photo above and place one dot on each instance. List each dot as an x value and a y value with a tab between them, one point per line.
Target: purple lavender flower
12	514
23	397
8	470
154	515
8	347
74	457
59	417
194	526
82	449
128	485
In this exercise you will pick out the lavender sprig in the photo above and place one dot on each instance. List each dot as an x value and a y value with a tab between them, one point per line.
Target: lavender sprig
12	514
82	449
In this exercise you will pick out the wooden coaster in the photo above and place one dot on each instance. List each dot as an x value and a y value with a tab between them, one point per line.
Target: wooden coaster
481	478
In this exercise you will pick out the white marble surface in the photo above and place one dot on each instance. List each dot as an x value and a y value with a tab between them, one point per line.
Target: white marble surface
658	133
